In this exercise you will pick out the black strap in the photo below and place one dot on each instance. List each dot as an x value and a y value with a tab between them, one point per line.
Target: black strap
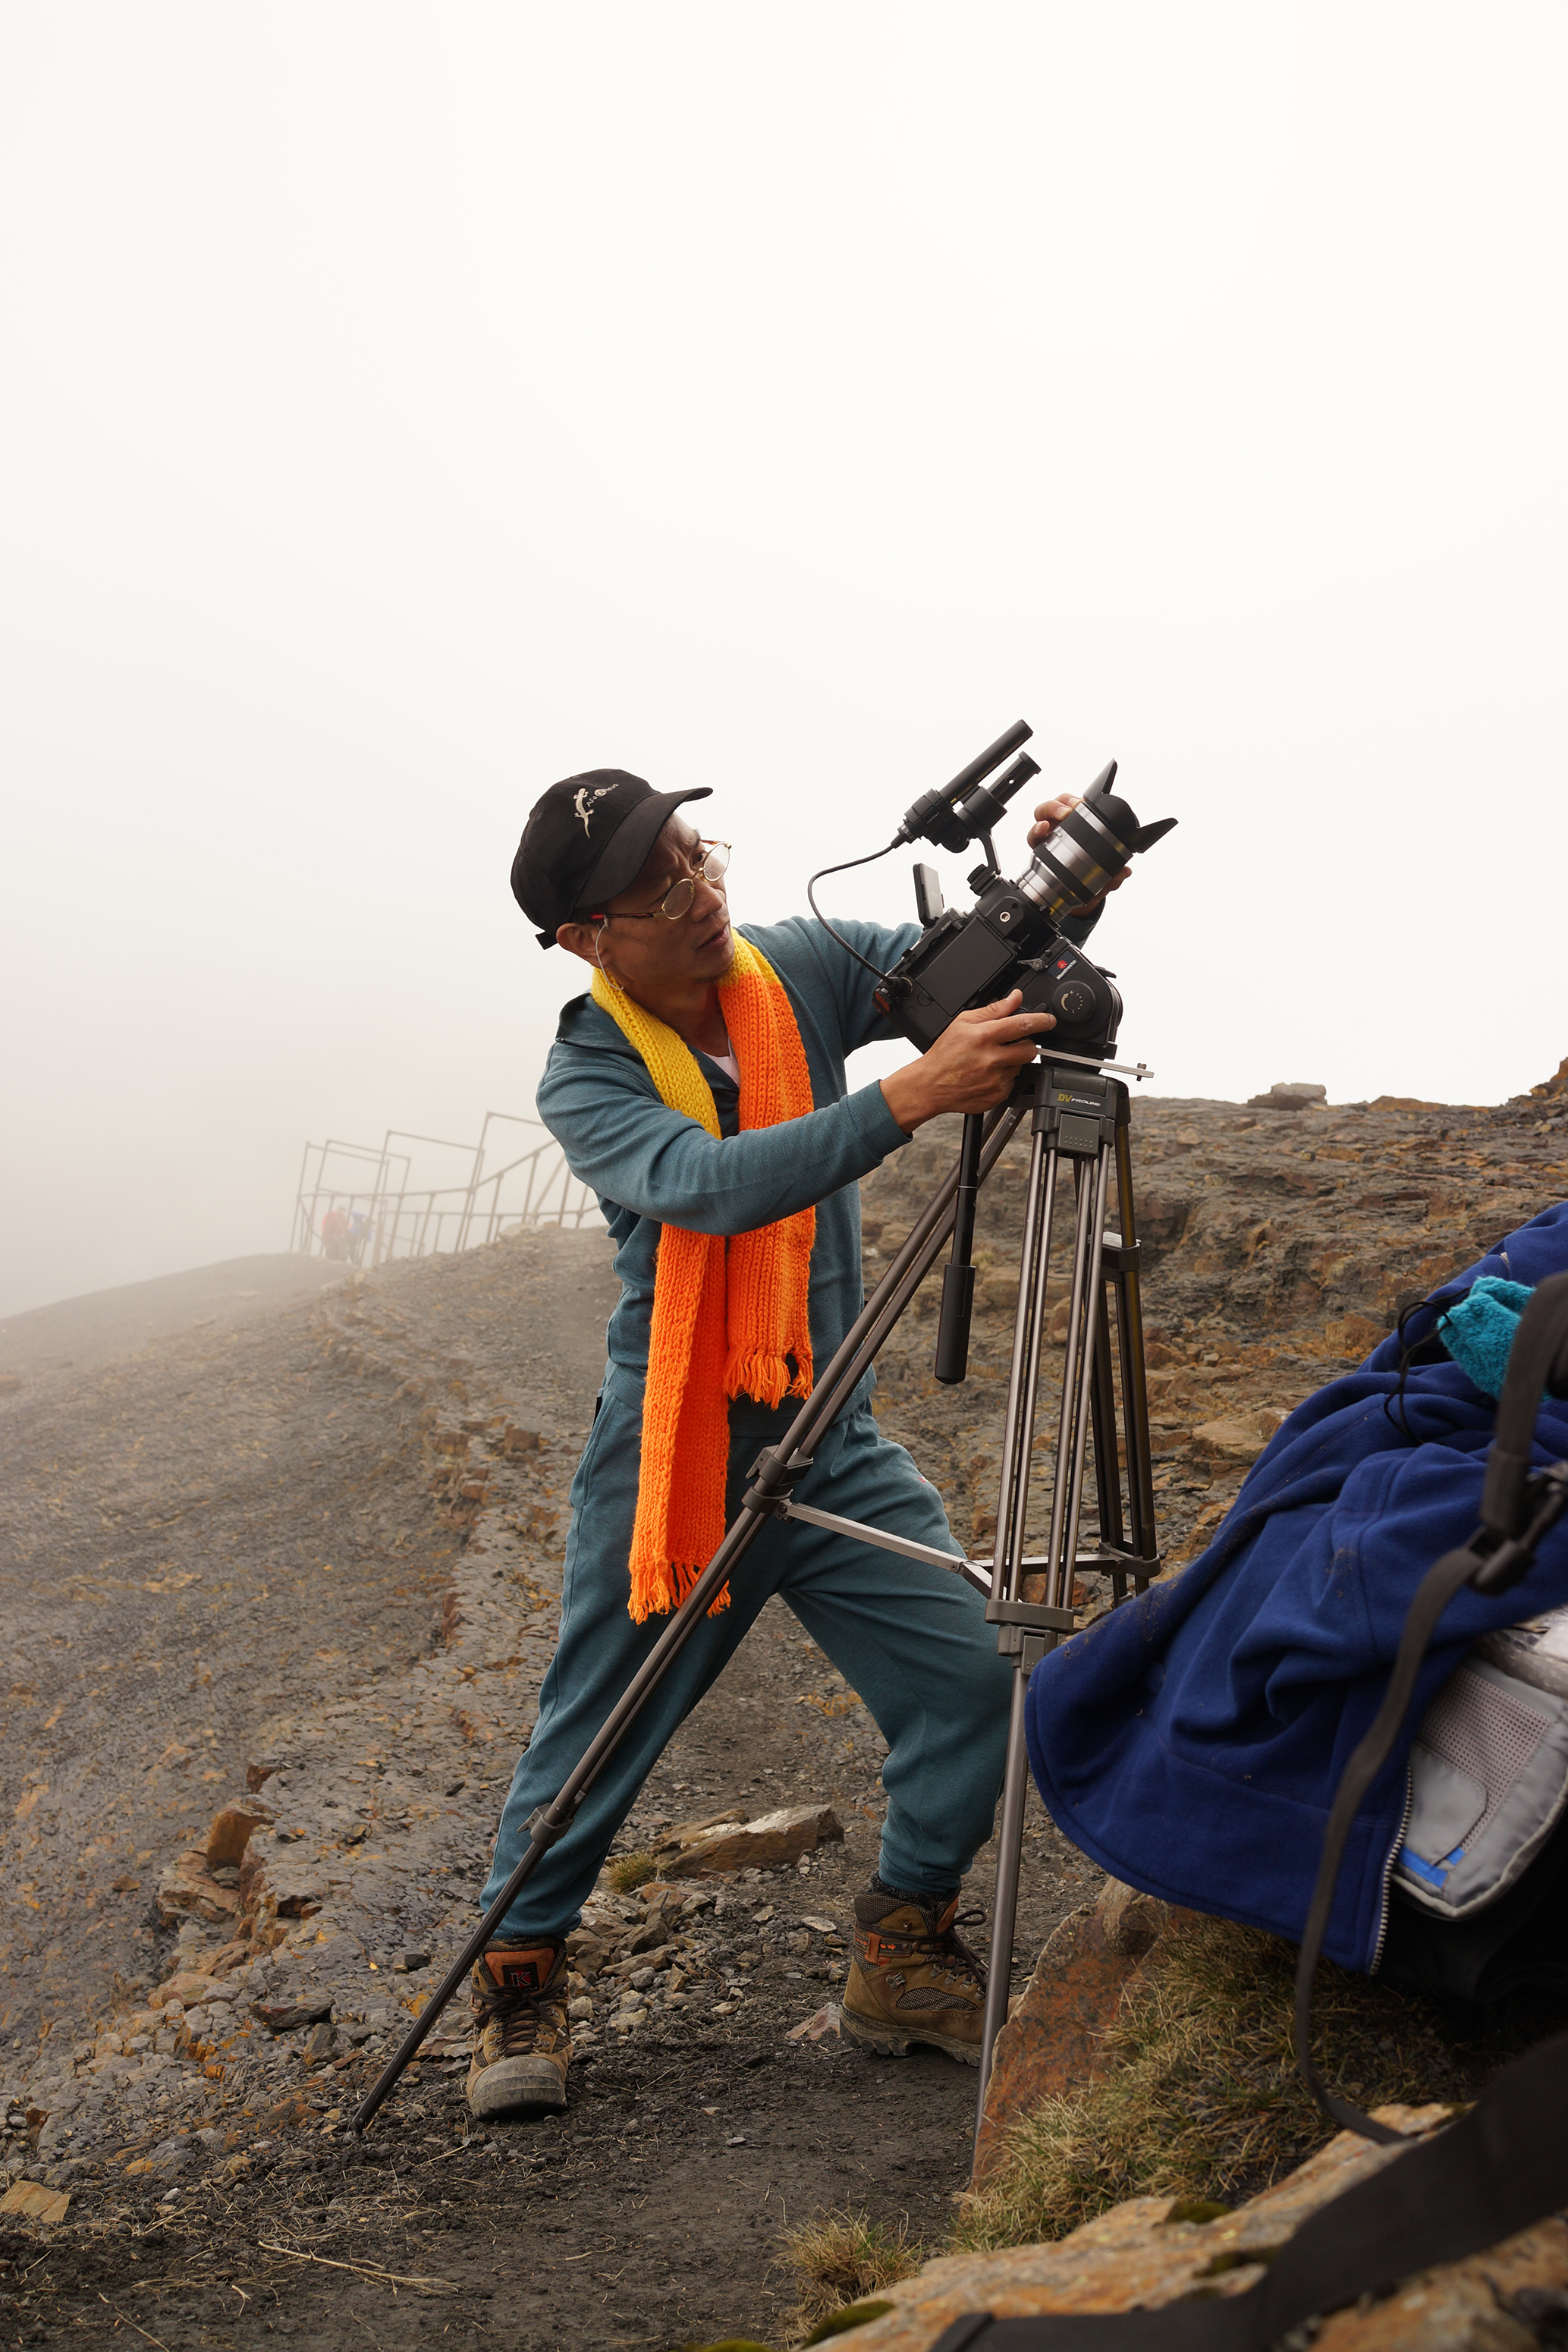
1501	2168
1433	1594
1537	1359
1517	1512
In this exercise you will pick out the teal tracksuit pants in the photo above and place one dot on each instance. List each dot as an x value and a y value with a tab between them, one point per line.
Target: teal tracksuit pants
913	1640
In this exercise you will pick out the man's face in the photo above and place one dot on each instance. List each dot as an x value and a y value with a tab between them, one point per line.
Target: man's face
640	946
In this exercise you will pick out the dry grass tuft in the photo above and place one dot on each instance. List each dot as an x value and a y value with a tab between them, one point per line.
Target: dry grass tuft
1204	2099
630	1871
843	2258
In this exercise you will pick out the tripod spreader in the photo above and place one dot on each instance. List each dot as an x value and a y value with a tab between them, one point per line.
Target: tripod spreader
1033	1616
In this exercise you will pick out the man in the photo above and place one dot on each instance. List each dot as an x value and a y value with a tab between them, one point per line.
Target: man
700	1091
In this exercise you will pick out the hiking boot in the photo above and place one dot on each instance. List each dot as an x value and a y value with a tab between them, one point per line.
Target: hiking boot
522	2041
913	1979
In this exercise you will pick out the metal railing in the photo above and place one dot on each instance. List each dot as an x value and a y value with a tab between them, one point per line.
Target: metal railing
355	1202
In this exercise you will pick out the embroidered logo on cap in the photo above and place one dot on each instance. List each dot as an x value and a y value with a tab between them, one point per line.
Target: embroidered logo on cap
582	803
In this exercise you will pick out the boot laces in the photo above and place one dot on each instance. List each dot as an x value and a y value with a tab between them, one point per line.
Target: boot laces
517	2014
963	1964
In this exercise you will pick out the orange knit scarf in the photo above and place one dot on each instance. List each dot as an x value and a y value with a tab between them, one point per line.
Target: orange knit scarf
727	1318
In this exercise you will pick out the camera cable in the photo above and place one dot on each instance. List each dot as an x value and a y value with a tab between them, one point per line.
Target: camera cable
811	896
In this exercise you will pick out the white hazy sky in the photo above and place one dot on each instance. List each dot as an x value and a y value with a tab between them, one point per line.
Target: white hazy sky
405	404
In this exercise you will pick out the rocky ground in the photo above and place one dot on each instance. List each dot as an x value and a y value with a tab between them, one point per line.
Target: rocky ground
302	1573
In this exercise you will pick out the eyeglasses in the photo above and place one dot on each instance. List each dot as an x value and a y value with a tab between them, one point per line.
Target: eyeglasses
678	900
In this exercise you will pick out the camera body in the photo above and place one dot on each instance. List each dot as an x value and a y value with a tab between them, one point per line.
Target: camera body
1007	940
1011	935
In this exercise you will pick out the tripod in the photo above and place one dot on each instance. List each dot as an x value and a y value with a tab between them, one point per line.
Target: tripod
1077	1113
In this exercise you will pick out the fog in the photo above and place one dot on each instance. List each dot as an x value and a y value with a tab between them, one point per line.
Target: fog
405	405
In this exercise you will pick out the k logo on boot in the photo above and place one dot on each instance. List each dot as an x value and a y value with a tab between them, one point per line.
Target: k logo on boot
521	1971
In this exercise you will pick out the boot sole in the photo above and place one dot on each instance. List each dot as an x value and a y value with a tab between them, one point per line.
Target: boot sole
897	2042
516	2086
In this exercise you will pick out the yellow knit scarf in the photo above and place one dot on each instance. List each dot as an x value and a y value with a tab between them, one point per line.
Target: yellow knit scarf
727	1321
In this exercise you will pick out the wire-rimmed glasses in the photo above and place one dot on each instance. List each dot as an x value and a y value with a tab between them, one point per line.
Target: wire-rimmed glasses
678	900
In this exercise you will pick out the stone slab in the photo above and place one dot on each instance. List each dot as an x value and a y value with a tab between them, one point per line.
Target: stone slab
760	1844
29	2201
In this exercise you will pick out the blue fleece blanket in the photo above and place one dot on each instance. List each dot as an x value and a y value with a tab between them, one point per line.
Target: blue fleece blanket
1191	1741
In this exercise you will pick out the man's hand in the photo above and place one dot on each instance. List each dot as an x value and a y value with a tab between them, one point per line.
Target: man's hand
971	1067
1047	817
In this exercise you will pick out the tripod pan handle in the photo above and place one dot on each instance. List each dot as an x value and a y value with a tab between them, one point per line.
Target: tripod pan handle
953	1329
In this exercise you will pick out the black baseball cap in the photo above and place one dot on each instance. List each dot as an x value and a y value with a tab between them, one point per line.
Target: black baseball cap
587	838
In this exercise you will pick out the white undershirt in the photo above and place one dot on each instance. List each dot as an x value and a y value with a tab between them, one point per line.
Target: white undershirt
727	1063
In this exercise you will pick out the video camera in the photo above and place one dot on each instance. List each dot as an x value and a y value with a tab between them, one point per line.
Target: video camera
1011	936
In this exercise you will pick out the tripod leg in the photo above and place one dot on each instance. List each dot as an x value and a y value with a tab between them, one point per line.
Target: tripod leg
1090	1244
1023	1374
1076	1392
1023	1382
1088	1395
1134	1374
1074	1400
1004	1911
1102	1429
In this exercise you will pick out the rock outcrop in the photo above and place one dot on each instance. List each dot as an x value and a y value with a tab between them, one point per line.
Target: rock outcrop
1154	2251
1053	2041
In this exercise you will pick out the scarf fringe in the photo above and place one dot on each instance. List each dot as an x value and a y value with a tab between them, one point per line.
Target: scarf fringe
655	1581
765	1378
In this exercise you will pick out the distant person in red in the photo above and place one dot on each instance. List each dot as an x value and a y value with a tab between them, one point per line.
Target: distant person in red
335	1233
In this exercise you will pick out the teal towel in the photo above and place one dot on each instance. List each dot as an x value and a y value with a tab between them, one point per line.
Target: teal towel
1478	1330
